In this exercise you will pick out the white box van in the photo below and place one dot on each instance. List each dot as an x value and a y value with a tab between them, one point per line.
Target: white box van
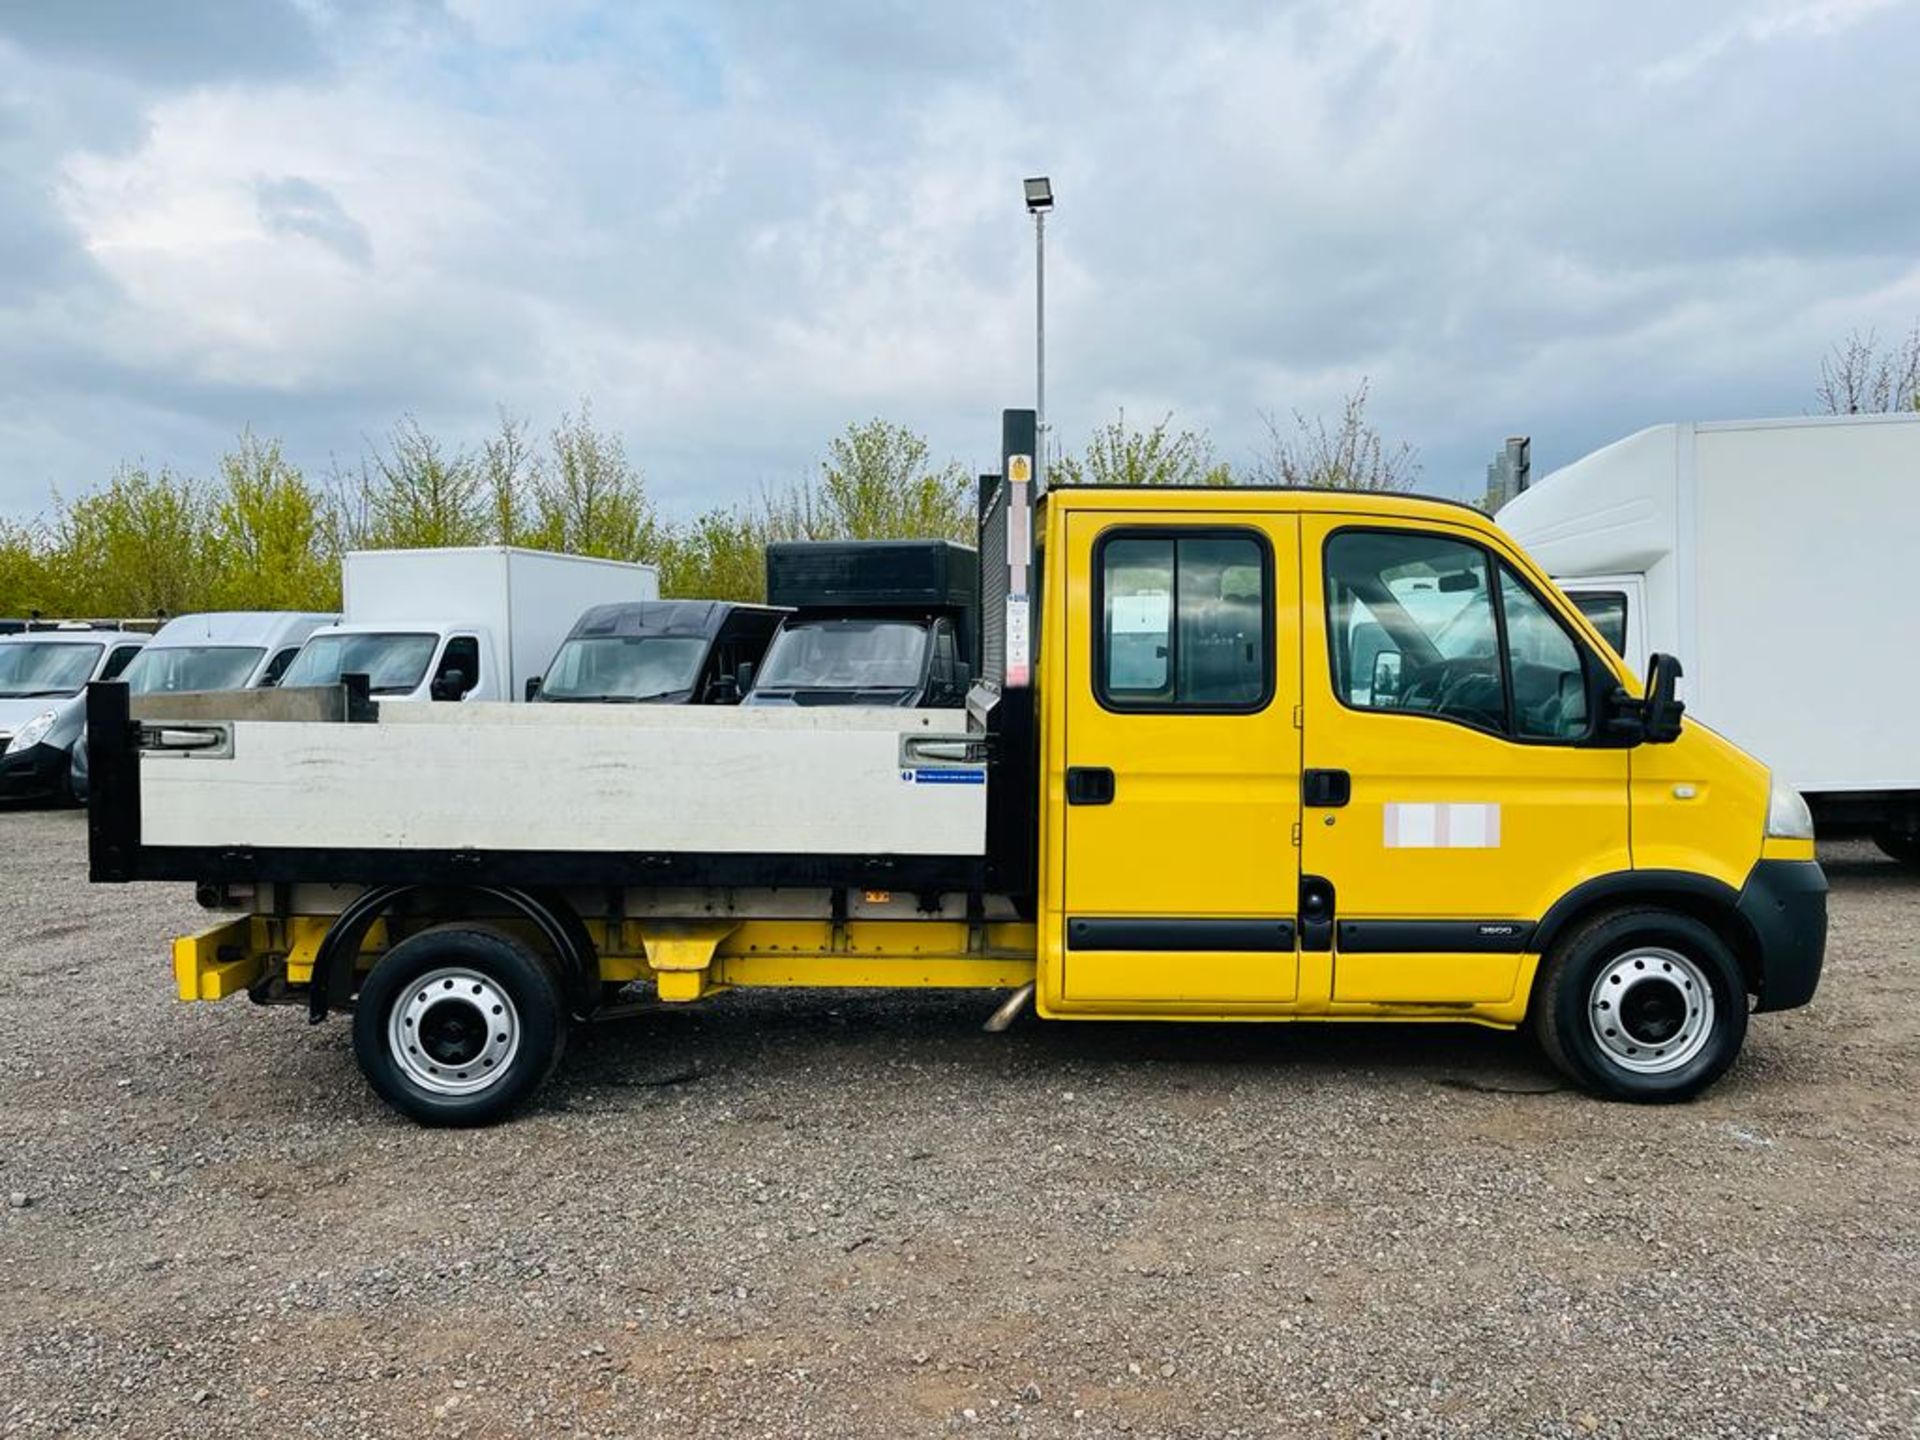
1774	556
470	623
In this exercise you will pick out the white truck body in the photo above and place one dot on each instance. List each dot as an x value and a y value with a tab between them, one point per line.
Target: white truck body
518	605
1773	558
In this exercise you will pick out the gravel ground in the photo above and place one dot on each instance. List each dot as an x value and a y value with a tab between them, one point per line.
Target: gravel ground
842	1215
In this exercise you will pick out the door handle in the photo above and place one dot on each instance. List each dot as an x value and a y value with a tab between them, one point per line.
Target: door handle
1326	788
1089	785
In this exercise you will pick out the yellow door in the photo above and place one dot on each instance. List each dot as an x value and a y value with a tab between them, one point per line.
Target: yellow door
1183	760
1455	784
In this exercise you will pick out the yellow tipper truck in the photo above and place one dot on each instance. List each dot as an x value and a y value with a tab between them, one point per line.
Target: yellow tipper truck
1233	754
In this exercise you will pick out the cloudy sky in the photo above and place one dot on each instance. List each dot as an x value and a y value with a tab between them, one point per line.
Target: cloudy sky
736	227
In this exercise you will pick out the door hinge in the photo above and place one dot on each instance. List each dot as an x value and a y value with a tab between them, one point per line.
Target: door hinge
1296	834
1299	717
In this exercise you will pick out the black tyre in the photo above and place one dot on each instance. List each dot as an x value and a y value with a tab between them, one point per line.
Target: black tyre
1644	1005
1901	845
459	1024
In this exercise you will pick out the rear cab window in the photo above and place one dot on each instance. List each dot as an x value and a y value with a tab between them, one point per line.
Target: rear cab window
1184	620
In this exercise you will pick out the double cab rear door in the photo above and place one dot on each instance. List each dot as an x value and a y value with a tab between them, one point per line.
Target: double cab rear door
1313	761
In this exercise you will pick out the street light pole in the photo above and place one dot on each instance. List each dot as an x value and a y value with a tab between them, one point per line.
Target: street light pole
1039	193
1040	349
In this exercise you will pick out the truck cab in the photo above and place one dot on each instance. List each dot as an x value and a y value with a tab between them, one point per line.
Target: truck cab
660	652
404	660
876	622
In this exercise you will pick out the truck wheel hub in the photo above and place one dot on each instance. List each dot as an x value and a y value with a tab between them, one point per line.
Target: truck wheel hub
1651	1010
454	1031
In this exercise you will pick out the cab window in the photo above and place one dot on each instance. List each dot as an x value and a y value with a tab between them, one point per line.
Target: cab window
1607	609
1429	625
459	669
118	661
1183	621
277	667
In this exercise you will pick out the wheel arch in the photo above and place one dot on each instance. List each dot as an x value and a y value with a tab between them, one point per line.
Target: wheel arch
555	920
1712	902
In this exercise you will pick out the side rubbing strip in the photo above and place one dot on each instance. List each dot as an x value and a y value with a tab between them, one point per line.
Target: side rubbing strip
1435	937
1145	934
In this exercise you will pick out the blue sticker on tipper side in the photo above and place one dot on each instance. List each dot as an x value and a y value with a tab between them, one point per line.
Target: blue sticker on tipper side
945	777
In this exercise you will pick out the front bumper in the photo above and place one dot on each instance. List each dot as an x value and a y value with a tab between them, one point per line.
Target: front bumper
37	771
1785	905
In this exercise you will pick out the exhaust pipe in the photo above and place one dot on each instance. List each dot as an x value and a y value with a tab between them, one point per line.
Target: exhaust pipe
1009	1010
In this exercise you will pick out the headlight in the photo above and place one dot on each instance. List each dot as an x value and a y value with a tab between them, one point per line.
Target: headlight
33	732
1788	817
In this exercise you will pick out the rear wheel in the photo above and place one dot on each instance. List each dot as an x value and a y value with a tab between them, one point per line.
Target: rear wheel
458	1024
1645	1005
1901	845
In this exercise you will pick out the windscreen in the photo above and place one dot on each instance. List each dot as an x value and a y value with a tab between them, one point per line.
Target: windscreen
392	662
846	655
191	667
632	667
44	668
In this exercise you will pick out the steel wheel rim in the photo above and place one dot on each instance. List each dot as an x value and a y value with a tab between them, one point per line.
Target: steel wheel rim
454	1031
1651	1010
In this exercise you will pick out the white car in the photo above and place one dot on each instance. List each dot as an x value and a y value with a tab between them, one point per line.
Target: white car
43	700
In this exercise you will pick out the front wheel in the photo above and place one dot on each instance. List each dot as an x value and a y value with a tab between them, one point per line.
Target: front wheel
458	1024
1644	1005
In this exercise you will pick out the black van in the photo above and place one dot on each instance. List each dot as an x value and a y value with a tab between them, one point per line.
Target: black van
658	652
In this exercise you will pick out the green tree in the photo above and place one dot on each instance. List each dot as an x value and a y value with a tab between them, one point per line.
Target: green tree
1349	455
591	500
412	492
877	483
139	547
269	534
1120	455
513	474
27	580
721	555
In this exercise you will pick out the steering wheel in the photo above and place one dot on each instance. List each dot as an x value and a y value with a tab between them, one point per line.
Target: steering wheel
1461	688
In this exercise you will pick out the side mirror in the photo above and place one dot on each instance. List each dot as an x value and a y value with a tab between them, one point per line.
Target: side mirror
533	687
449	685
1386	676
743	676
1662	708
725	690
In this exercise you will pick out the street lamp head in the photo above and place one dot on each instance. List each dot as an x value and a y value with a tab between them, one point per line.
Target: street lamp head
1039	193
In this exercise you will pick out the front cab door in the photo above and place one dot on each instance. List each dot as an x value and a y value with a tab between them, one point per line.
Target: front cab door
1182	776
1456	783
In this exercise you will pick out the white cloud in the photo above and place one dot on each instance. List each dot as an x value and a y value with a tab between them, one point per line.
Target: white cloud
737	228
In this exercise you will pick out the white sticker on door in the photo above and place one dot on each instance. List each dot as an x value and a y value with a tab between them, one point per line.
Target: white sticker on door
1442	827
